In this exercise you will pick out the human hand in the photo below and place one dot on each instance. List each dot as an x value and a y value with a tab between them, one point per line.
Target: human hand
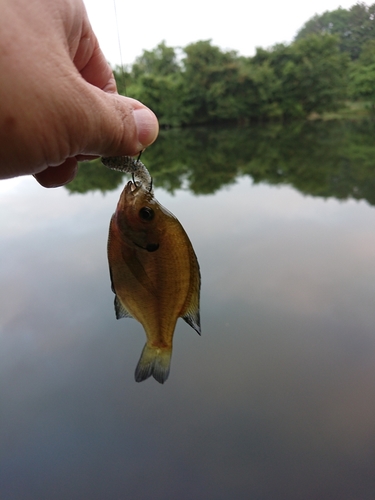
58	96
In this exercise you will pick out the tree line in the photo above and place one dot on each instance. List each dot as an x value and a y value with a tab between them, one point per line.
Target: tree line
331	60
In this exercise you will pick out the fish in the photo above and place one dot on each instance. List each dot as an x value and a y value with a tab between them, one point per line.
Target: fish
154	270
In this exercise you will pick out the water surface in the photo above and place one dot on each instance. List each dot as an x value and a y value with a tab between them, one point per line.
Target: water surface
276	400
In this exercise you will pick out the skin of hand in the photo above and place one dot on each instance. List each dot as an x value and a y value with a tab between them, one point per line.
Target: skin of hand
58	96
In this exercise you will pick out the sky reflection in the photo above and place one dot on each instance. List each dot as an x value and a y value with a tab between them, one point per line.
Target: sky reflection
275	400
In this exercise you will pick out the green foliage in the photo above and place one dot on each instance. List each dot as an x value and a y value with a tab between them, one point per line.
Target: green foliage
259	91
331	59
93	176
162	94
303	77
161	61
212	86
332	23
155	79
210	80
354	27
362	75
315	75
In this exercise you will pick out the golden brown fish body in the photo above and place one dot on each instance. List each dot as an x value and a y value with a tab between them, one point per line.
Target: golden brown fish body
154	273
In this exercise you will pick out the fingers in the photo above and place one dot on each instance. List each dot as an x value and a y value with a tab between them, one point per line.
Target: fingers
58	176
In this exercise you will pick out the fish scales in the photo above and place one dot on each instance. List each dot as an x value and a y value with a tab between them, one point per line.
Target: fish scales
146	283
154	270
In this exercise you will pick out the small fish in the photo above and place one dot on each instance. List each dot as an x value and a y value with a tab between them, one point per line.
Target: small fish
153	267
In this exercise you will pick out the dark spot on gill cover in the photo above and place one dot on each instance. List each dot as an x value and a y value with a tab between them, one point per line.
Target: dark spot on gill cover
150	247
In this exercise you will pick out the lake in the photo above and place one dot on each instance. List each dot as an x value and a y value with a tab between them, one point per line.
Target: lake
276	399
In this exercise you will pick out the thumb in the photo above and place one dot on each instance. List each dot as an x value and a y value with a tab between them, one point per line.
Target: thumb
115	125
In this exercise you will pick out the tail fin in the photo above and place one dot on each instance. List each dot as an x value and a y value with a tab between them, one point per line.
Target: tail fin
154	361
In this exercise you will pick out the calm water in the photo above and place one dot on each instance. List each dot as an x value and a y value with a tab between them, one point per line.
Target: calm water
276	400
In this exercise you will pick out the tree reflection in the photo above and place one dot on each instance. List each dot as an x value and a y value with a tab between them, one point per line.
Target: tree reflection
93	176
327	159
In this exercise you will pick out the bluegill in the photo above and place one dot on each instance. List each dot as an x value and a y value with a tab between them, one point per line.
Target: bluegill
153	267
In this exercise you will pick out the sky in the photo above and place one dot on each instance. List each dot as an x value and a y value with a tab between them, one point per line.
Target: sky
235	25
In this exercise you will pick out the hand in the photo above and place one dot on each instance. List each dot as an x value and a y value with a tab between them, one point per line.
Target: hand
58	96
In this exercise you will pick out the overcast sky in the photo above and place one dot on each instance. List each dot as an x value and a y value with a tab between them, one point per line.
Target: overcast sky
233	24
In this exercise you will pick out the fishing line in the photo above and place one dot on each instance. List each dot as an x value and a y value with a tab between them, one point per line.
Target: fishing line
122	64
119	45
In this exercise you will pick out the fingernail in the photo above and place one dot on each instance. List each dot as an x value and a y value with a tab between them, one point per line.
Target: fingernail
147	126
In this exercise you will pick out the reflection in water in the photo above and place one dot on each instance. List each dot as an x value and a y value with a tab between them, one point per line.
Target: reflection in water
276	400
328	159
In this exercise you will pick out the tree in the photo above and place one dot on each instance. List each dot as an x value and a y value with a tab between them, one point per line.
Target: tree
162	94
354	27
210	82
316	75
259	90
155	79
362	75
161	61
308	75
93	176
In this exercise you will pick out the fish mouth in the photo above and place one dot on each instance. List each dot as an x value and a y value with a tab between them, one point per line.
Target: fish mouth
150	247
134	186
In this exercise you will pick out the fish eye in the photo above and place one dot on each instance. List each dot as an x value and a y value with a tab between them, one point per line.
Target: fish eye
152	247
146	214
